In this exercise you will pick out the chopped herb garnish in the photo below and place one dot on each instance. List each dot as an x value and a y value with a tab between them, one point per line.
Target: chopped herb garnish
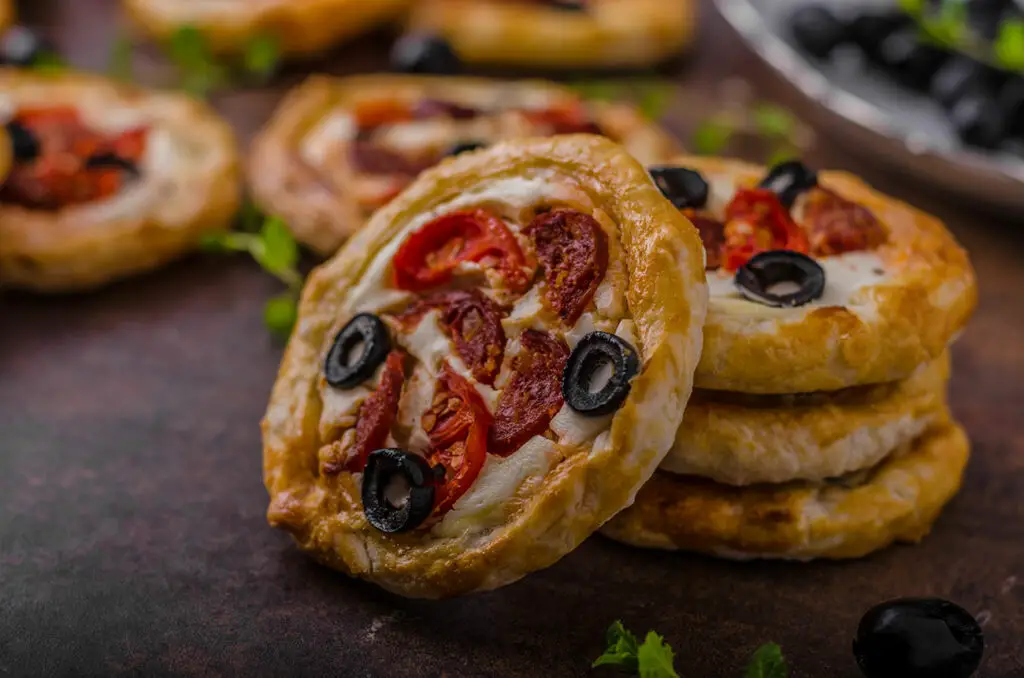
767	662
651	659
262	56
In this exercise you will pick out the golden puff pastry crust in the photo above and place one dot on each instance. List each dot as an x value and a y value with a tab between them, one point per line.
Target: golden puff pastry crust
301	27
314	190
604	34
190	184
661	282
896	502
6	14
738	439
879	331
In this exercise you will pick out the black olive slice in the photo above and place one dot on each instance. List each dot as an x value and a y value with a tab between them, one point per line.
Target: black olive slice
977	120
596	377
909	60
112	161
398	490
683	186
788	180
24	143
367	336
424	53
918	638
868	30
766	270
817	30
466	147
959	75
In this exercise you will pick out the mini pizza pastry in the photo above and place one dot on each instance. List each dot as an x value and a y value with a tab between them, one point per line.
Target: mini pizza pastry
742	439
338	149
488	371
106	180
559	33
300	27
6	14
844	518
817	281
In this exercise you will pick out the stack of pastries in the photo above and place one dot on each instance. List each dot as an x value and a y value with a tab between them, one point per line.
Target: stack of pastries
818	427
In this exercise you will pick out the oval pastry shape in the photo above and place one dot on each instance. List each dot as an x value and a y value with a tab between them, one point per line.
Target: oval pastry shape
365	331
596	378
398	490
487	271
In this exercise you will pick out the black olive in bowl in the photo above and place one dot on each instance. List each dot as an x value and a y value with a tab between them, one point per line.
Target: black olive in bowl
977	119
868	30
918	638
817	30
910	61
956	77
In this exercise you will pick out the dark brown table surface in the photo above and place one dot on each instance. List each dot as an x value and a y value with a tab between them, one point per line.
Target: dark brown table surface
132	531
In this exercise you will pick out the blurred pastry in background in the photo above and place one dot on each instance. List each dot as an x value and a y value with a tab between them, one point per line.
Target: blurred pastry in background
558	33
6	14
338	149
106	180
298	27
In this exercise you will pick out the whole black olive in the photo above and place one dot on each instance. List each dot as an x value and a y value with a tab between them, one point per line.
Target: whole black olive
804	277
20	46
870	29
788	180
1011	104
977	119
817	30
909	60
424	54
366	334
24	143
466	147
684	187
956	77
398	490
599	357
985	16
918	638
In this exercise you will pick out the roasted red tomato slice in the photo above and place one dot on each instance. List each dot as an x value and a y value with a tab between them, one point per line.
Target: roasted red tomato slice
757	222
430	254
533	396
376	414
457	426
836	225
574	252
59	176
376	112
473	321
569	118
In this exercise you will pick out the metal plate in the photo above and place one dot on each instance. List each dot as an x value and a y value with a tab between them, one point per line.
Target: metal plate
867	113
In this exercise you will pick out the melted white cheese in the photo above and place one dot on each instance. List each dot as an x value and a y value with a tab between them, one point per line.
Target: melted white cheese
417	136
627	332
721	189
845	276
417	397
428	343
526	314
572	428
484	504
337	128
584	326
340	406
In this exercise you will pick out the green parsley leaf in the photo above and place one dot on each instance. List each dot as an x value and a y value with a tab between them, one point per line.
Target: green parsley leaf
191	53
599	90
782	154
279	252
654	98
250	219
280	313
262	56
119	63
773	121
711	137
655	658
912	7
1009	45
622	648
767	662
49	63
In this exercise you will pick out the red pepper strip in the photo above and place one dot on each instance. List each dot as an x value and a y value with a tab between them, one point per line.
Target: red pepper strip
430	254
458	425
757	222
377	413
